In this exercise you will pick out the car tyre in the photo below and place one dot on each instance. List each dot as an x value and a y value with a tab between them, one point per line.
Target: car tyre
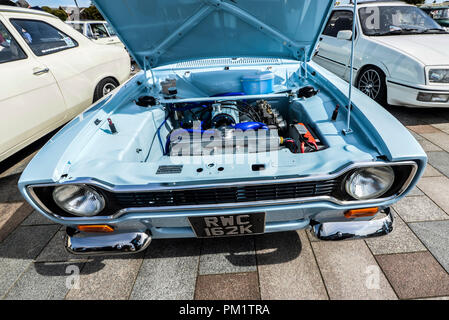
372	83
104	87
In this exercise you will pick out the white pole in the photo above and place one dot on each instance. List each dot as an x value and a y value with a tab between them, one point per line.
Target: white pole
145	73
305	64
351	71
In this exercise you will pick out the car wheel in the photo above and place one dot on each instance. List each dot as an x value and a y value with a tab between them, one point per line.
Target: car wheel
105	87
372	83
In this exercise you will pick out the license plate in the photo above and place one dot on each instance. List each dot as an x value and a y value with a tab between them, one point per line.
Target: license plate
228	225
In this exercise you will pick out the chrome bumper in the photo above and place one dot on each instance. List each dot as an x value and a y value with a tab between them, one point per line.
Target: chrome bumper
332	231
81	243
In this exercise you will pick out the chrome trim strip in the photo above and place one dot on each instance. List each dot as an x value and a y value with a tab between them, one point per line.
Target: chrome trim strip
150	188
251	204
219	183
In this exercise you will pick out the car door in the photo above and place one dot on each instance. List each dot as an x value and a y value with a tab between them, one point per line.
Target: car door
88	31
113	38
68	57
100	33
31	103
334	54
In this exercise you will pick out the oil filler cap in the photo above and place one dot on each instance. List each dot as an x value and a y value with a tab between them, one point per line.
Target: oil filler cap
307	92
146	101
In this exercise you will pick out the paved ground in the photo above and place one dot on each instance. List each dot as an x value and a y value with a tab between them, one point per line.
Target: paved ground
410	263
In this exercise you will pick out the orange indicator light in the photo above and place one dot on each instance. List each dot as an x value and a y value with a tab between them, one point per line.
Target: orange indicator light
357	213
96	228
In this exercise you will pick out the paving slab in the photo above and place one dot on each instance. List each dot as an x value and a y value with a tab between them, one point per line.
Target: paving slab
227	255
441	139
234	286
430	171
36	219
400	240
415	275
437	188
423	129
440	161
43	281
351	272
311	235
415	192
18	251
435	236
11	216
9	192
419	209
168	271
287	268
417	136
429	146
7	208
107	278
442	126
55	251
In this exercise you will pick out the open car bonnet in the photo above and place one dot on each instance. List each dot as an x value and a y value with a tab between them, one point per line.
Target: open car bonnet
170	31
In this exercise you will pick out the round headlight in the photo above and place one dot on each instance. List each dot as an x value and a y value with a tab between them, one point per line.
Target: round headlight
79	200
370	183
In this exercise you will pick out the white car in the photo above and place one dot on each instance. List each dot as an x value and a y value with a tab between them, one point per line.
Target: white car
401	54
98	31
49	74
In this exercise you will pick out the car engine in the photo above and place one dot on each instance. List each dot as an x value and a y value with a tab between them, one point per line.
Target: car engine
233	127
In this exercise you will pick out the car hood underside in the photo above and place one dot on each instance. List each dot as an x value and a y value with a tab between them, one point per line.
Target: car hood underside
161	32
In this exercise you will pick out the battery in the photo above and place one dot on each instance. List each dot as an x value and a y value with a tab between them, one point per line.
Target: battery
301	129
305	141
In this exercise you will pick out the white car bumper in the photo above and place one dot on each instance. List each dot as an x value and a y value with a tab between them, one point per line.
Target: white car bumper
408	96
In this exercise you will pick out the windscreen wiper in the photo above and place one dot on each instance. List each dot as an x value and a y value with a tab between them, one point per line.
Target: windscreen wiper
434	29
387	33
398	31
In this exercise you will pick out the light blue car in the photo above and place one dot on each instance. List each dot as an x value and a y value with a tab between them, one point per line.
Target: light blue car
230	130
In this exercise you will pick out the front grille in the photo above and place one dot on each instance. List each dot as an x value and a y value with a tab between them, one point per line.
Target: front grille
192	197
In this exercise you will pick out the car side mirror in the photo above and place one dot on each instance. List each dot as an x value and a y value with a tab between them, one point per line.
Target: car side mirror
344	35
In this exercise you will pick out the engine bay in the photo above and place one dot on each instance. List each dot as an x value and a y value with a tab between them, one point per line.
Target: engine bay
204	123
238	125
248	115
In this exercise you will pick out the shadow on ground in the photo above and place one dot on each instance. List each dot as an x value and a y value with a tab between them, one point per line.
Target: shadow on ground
419	116
271	249
9	192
